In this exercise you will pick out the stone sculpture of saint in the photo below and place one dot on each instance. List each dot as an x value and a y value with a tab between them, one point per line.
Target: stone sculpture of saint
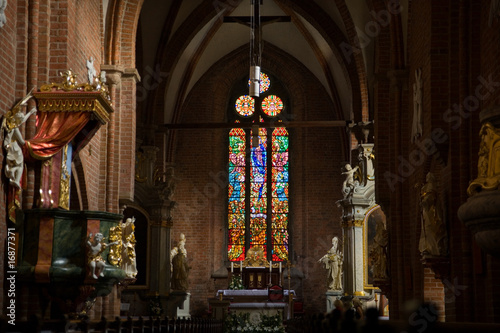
128	263
91	72
332	261
14	141
180	268
433	236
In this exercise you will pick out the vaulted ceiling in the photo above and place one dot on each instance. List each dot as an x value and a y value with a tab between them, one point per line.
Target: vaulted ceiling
334	39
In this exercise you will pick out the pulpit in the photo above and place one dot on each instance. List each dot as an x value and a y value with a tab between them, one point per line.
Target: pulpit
54	240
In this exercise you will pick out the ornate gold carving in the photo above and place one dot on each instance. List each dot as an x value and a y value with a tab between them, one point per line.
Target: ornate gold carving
115	251
74	102
70	84
488	161
69	96
65	181
350	223
255	258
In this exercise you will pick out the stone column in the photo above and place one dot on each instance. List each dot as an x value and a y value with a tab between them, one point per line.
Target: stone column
355	206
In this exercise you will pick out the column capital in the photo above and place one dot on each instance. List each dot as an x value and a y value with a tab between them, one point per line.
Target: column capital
113	73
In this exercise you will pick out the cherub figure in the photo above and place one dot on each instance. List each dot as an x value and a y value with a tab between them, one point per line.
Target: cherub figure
348	185
94	250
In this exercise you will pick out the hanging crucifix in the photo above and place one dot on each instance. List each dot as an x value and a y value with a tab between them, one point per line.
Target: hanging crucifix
255	22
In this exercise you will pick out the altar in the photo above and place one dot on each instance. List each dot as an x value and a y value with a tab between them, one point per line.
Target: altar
256	300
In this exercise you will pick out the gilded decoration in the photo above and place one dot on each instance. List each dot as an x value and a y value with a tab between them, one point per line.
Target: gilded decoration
352	223
115	251
65	181
488	162
70	96
255	257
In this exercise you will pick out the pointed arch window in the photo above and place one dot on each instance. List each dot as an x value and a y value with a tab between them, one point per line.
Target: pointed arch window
258	195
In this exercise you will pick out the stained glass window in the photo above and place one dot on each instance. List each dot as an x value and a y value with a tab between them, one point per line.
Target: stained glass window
258	182
272	105
237	166
245	105
265	82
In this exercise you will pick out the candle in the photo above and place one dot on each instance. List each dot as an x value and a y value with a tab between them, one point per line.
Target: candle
270	266
232	265
280	267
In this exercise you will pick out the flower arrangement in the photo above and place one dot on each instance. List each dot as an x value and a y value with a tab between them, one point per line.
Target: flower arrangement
253	322
155	308
236	283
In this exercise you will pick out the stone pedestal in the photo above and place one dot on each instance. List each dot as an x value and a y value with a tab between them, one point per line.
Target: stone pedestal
183	310
331	297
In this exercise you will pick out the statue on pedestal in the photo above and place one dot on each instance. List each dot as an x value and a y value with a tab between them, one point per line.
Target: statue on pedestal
333	261
180	268
433	237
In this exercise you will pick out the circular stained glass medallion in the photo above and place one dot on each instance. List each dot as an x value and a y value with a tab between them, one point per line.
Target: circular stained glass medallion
245	105
272	105
265	82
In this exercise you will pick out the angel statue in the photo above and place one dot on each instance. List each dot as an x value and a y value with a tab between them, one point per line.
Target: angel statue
14	141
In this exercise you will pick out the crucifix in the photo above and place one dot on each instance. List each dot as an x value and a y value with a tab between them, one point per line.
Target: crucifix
255	22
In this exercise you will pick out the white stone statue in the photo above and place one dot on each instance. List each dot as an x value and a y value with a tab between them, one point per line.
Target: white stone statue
3	18
14	141
180	268
94	250
91	72
416	128
129	264
333	261
433	236
348	185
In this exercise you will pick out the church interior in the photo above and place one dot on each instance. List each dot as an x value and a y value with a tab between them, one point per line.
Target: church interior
258	159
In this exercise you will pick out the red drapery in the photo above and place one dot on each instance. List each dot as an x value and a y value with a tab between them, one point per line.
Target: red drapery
54	130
